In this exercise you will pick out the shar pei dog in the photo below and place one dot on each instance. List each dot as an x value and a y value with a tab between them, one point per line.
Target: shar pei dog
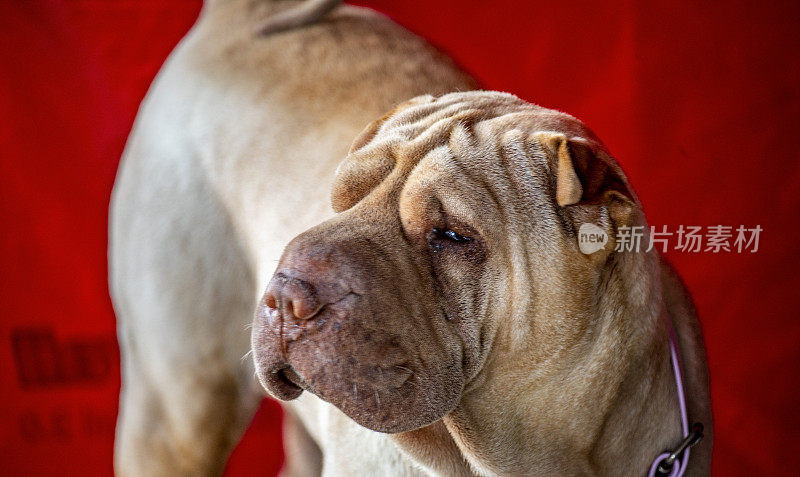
418	296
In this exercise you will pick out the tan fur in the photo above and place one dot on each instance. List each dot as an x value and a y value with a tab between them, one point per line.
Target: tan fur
562	358
304	14
565	367
232	154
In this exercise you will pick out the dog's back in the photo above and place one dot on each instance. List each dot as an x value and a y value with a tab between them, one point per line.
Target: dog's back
232	154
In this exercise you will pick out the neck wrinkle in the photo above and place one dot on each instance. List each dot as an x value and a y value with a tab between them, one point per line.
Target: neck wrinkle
643	421
644	412
604	405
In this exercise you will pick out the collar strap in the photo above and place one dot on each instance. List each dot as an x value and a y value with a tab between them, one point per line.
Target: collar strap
673	463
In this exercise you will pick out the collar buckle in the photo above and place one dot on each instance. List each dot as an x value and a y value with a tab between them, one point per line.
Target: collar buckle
691	440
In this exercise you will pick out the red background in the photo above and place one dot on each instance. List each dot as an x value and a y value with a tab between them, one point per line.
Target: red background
699	102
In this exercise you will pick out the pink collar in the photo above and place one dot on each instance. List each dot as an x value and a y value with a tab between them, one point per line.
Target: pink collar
673	463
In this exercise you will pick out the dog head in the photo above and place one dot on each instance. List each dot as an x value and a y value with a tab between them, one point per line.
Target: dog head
453	252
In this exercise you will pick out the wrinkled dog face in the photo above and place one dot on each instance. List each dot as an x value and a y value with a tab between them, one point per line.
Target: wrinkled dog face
448	215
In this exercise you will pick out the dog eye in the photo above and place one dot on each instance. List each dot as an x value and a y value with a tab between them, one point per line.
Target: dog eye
439	239
450	235
449	243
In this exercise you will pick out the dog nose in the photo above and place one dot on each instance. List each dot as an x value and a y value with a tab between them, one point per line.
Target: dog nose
294	297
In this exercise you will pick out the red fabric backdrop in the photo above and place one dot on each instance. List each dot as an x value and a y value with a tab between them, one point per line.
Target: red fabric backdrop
698	101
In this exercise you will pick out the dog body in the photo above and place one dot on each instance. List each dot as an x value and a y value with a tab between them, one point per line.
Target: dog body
232	154
514	354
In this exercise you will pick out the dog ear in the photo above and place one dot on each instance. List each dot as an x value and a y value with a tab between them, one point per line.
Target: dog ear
366	135
362	169
585	174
